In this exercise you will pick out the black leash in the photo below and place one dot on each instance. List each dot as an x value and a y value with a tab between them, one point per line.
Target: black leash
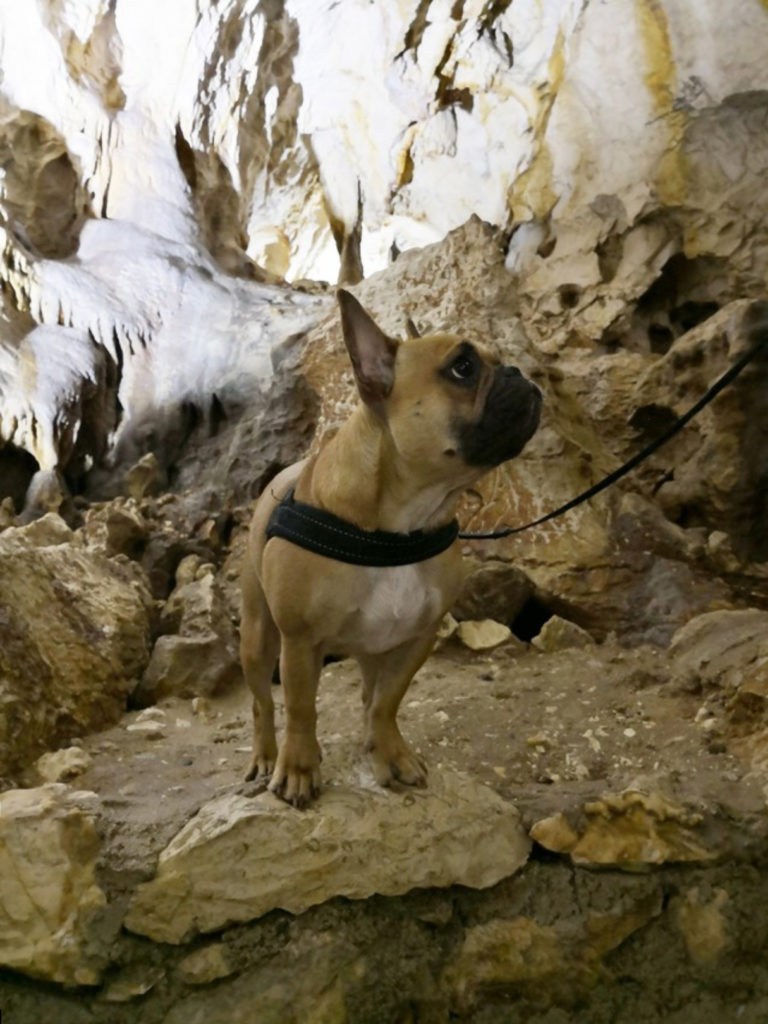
760	332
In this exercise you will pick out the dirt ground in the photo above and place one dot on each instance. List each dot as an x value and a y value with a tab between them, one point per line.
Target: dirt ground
547	731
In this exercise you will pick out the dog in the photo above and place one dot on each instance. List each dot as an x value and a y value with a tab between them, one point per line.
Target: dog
436	413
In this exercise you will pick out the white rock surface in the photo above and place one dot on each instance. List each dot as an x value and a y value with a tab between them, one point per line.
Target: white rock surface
239	858
48	889
481	635
165	148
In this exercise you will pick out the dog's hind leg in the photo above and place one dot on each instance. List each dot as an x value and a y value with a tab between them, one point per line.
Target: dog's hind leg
385	680
259	648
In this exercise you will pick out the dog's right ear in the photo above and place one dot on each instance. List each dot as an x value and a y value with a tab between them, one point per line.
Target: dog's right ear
371	351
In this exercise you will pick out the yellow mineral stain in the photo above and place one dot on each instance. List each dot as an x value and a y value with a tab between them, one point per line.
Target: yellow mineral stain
661	81
533	195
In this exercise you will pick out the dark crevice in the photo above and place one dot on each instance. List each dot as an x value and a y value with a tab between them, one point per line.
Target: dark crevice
531	618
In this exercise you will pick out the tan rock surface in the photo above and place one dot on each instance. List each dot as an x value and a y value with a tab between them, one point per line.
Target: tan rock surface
49	895
628	830
559	634
74	638
482	635
242	857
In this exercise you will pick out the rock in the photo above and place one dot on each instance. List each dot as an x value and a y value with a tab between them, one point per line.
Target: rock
118	528
481	636
722	648
206	965
133	982
49	530
494	590
143	478
62	765
49	896
559	634
150	730
629	830
240	858
201	657
74	638
702	924
447	627
7	513
503	953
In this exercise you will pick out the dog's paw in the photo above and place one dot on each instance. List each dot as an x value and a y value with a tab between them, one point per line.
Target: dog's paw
260	769
396	765
296	778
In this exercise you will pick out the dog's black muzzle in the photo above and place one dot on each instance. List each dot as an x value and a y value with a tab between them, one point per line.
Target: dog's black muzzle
509	420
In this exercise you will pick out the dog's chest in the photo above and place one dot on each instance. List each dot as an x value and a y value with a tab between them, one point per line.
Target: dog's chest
394	605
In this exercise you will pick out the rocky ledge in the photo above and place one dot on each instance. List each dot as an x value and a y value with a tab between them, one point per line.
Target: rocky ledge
590	848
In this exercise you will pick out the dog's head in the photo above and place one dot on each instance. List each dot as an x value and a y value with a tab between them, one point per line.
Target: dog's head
450	406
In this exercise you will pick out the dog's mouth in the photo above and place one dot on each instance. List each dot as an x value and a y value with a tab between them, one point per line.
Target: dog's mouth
510	418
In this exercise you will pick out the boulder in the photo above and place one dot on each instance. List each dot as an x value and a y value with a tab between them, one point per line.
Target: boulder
49	895
483	635
559	634
74	639
239	858
198	653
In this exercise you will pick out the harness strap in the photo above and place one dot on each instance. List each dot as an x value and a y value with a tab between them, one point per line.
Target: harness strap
326	534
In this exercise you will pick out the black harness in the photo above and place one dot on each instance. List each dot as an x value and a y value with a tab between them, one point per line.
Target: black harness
325	534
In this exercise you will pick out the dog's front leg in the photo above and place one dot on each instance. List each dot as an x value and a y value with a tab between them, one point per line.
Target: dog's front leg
385	680
296	777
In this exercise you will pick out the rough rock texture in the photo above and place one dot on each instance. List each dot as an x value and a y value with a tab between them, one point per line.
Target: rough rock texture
583	186
240	858
621	151
197	652
49	896
611	765
630	829
631	561
74	638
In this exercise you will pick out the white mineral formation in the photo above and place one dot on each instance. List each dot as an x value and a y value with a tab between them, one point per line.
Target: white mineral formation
161	162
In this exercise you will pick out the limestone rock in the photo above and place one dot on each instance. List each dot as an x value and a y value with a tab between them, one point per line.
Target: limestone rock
133	982
722	648
702	924
481	636
118	528
198	655
628	830
49	896
504	953
74	639
143	478
494	590
240	858
62	765
559	634
7	515
48	531
206	965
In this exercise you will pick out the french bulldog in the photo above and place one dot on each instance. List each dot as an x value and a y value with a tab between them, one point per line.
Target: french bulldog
436	413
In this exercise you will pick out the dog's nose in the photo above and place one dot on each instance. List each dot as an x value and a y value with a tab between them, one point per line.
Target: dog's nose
512	371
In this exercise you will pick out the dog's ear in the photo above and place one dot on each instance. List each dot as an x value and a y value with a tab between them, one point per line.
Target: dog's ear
371	351
413	330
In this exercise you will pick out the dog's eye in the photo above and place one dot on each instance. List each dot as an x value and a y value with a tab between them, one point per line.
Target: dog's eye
462	368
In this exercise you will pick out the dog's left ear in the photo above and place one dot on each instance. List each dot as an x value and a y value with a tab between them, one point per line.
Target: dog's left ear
371	351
